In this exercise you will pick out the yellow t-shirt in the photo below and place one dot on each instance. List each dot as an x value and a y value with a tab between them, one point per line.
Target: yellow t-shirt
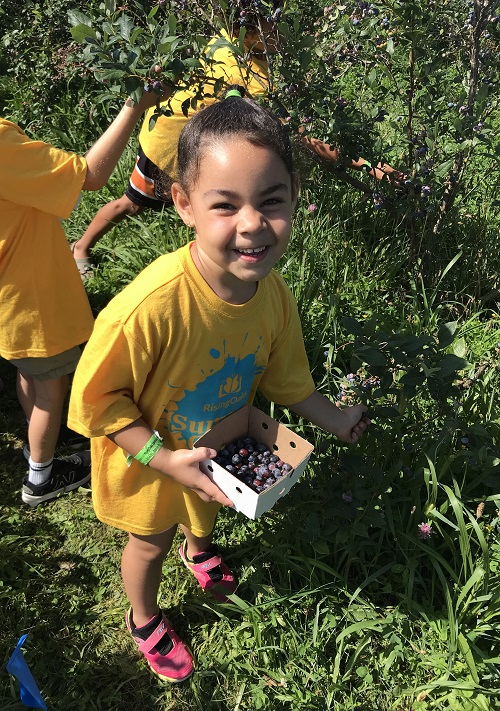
160	144
44	309
168	349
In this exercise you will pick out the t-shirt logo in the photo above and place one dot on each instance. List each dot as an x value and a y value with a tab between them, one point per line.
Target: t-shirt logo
224	385
230	386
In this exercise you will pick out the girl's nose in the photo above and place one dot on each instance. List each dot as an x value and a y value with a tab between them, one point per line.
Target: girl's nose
251	221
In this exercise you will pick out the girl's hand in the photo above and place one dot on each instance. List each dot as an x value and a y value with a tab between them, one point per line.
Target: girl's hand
183	466
352	424
348	424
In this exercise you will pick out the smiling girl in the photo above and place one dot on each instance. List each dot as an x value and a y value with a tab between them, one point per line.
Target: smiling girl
154	375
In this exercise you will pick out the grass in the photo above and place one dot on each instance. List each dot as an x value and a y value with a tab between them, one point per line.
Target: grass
341	605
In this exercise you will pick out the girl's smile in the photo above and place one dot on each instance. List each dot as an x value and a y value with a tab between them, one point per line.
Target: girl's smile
241	205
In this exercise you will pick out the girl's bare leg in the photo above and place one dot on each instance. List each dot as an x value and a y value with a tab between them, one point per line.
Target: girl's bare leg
105	219
195	545
142	562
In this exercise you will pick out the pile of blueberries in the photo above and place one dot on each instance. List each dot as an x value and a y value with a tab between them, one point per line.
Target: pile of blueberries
253	463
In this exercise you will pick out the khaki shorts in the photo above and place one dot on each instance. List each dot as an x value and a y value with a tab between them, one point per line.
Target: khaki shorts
49	368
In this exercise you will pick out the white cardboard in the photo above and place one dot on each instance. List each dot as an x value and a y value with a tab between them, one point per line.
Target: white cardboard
250	421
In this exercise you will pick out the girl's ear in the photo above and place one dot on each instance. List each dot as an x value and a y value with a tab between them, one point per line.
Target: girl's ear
182	204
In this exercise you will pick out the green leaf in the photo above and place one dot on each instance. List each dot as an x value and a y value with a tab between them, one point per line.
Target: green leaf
78	18
372	77
459	348
352	326
111	74
152	121
125	26
449	364
138	31
413	378
83	33
371	356
446	334
321	546
441	170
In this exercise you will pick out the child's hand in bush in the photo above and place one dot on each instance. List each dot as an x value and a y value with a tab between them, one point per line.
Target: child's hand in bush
354	422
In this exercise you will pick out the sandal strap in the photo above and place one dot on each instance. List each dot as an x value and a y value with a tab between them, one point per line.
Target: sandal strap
207	565
163	627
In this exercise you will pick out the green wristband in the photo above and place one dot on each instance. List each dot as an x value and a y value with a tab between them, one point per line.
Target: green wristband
152	447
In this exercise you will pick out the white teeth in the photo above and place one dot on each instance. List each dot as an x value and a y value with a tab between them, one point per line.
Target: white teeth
257	250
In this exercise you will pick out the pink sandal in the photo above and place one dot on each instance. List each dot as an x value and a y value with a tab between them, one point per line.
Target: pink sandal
201	571
177	664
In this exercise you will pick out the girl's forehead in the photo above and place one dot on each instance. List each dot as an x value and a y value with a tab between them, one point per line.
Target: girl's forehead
235	161
238	150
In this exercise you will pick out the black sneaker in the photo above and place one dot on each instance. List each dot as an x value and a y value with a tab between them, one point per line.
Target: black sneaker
68	473
68	439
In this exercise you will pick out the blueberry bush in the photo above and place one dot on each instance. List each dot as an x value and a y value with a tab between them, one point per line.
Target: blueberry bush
374	584
434	65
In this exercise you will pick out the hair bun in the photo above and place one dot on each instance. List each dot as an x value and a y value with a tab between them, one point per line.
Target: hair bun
234	90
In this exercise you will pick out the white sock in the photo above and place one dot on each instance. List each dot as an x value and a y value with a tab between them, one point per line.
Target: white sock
39	472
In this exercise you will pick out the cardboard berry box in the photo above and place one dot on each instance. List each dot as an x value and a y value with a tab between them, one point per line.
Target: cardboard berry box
252	422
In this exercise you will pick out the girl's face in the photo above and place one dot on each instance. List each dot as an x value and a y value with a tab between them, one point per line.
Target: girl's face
241	207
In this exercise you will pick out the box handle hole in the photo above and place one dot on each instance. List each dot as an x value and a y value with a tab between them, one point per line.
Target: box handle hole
265	426
238	490
275	447
293	445
210	468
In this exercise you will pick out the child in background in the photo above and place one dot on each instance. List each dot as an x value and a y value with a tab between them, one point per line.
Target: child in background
45	313
154	374
157	153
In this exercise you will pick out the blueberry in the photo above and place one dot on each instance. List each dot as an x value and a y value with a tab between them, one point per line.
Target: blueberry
236	459
230	468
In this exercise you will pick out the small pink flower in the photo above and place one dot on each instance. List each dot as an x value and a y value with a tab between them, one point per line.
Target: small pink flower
425	530
311	208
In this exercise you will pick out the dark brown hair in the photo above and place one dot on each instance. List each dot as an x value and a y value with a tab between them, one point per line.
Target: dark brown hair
234	116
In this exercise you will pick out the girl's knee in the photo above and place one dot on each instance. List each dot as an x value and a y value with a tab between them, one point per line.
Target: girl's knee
130	208
53	390
152	548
